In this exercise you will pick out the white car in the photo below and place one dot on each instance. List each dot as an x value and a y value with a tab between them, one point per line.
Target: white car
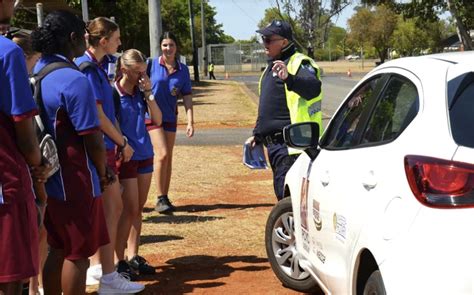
352	57
383	202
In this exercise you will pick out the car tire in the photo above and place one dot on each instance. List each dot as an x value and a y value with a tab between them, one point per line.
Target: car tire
374	284
280	246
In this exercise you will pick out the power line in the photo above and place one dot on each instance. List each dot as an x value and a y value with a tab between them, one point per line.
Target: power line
256	22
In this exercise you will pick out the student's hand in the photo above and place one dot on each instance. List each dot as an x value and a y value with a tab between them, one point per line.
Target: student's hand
107	179
40	191
40	173
144	83
280	69
126	153
190	130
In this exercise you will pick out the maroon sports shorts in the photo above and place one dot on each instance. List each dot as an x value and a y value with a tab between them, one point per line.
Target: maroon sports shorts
18	241
78	228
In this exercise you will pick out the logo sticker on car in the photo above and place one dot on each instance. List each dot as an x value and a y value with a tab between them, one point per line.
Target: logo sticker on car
340	226
316	216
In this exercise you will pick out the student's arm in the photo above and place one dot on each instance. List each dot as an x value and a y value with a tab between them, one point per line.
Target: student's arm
155	111
188	107
95	149
113	133
28	145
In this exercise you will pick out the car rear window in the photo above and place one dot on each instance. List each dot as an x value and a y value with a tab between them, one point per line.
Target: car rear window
461	115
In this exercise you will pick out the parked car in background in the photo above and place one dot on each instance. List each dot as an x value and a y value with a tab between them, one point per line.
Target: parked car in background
352	57
383	202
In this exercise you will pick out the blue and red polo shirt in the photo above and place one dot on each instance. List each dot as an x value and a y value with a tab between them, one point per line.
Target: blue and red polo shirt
132	122
16	104
166	88
101	88
70	106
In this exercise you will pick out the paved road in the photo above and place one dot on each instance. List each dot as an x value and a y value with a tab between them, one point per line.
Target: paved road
335	88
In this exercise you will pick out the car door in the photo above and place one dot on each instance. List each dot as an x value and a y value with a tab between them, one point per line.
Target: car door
356	150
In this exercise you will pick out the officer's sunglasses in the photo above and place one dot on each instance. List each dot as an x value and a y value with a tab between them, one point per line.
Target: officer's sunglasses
267	40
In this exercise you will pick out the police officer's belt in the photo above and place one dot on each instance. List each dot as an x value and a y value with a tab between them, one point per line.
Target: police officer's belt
276	138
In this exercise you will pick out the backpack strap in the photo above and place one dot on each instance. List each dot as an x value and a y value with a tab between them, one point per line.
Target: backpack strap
116	96
35	81
86	64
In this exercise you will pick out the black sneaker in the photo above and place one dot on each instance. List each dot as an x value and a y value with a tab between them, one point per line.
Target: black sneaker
124	269
141	266
164	206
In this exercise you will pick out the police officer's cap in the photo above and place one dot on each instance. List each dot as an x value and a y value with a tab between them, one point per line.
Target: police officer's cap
278	27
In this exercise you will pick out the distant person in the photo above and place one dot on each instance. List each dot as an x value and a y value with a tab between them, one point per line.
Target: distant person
21	167
210	68
170	79
74	216
136	99
290	92
104	40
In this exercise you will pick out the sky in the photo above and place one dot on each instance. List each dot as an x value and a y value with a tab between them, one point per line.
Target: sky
240	18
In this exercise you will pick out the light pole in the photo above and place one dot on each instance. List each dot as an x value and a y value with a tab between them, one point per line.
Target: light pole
154	19
203	36
85	11
195	59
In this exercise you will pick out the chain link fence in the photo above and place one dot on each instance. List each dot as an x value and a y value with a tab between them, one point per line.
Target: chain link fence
237	57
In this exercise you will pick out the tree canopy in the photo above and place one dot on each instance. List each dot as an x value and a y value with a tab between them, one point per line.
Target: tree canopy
132	17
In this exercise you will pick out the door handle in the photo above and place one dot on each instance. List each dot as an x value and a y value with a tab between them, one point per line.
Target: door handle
369	181
325	178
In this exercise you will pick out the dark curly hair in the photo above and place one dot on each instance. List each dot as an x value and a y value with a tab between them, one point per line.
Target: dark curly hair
54	35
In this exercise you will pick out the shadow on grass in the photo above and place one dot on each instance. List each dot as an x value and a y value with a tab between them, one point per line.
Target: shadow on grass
151	239
180	219
183	275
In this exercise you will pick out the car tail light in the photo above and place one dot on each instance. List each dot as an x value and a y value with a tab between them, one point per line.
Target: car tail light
440	183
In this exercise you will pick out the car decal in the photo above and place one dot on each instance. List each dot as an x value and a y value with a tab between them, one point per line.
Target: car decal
316	216
304	213
340	226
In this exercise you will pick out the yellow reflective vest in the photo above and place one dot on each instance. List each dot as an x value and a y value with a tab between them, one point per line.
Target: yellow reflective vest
301	110
210	68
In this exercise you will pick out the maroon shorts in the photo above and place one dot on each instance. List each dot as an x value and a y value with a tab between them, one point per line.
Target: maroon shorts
77	228
18	241
132	168
111	160
167	126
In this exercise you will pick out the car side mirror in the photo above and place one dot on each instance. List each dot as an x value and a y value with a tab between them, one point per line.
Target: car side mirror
303	136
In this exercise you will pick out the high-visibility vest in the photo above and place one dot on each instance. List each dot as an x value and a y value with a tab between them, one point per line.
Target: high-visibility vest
301	110
210	68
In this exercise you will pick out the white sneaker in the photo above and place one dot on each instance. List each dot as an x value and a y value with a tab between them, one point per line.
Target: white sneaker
119	285
93	275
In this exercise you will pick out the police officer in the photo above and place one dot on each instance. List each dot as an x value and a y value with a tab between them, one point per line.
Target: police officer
290	92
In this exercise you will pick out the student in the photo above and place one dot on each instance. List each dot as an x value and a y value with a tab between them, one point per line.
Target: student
74	216
104	40
135	175
170	79
19	153
23	40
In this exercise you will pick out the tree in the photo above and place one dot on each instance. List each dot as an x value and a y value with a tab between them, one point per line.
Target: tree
132	17
313	17
462	12
374	28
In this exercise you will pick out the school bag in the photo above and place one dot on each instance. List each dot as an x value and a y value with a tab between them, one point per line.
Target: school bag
47	145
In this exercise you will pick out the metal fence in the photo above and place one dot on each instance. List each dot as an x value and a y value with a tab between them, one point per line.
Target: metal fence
235	57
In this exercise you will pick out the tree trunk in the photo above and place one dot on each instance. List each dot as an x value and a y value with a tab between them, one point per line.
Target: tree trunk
463	34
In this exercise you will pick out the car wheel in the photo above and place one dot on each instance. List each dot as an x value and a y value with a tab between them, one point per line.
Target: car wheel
374	285
281	249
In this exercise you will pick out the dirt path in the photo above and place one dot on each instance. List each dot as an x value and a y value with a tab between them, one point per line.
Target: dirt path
214	244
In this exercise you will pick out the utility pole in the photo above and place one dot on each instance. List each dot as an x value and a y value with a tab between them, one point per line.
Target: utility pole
85	11
203	35
154	19
195	58
39	14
